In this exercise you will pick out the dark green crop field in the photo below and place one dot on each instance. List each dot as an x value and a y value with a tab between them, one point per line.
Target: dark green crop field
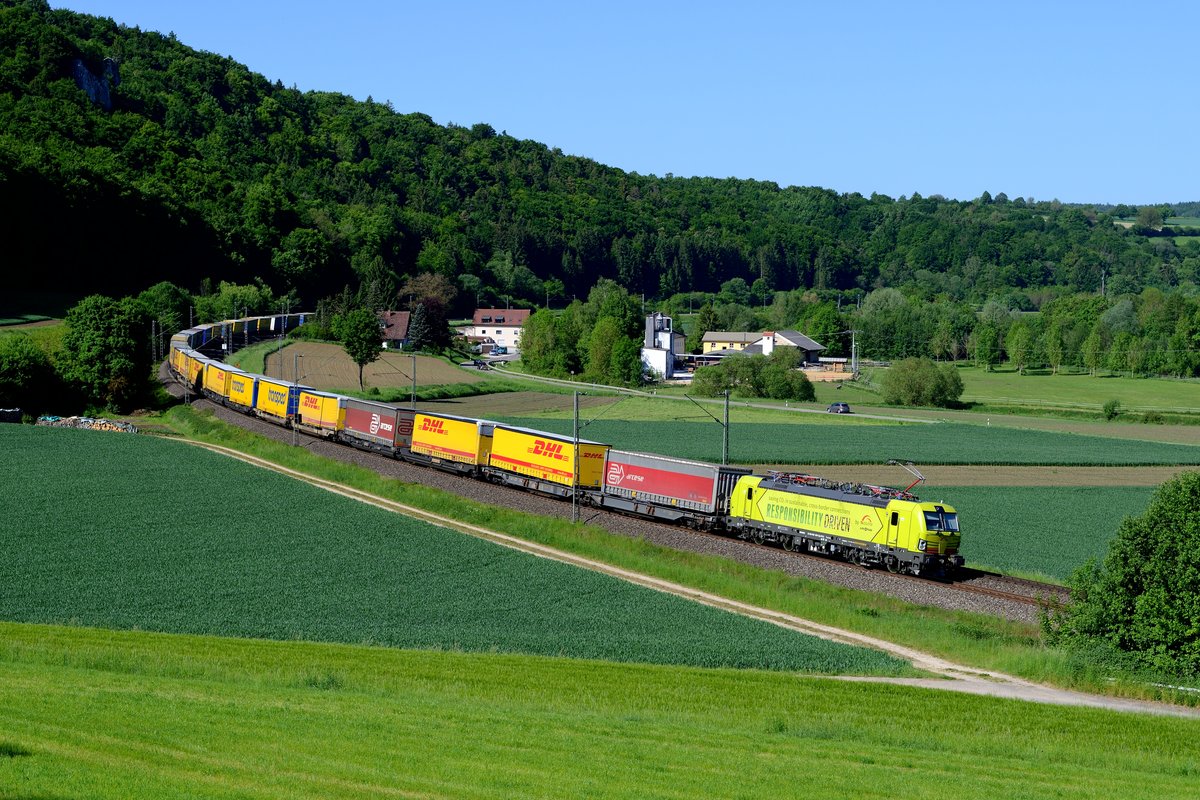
117	531
1048	531
947	443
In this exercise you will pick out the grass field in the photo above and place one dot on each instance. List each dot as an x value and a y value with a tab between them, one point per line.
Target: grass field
125	715
150	534
822	441
1076	391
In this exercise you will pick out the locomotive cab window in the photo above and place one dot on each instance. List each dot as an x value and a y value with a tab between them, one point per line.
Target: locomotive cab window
895	517
941	521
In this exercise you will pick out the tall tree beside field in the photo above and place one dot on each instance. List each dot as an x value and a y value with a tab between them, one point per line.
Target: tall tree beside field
1018	345
1052	343
360	336
1142	602
1093	351
106	350
26	376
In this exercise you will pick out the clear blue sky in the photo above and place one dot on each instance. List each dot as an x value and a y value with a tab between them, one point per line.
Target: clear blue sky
1079	101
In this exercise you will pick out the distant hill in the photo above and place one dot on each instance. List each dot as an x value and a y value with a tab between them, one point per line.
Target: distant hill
127	157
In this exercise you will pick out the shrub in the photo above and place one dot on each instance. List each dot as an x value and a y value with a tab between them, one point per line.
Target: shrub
1142	600
920	382
1112	410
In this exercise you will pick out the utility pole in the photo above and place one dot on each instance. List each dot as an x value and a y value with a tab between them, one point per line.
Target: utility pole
725	432
414	381
575	471
295	383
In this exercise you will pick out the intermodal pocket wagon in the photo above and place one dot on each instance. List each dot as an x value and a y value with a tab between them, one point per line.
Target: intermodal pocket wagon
669	489
379	427
456	444
545	462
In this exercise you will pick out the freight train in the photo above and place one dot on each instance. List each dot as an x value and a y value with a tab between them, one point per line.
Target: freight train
865	524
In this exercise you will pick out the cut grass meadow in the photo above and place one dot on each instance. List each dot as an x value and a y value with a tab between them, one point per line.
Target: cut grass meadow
105	715
127	532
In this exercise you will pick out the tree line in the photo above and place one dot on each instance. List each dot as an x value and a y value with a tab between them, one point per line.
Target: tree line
192	166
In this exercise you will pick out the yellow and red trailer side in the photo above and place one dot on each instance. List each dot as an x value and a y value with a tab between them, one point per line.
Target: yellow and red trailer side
446	438
547	457
320	411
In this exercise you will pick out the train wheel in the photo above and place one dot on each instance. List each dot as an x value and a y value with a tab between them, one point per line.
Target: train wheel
759	537
893	565
788	543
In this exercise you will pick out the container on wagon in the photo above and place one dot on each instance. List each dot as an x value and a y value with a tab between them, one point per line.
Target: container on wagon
446	438
278	399
693	485
319	410
243	389
547	456
378	423
218	378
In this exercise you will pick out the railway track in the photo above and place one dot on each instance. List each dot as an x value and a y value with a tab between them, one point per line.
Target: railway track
976	591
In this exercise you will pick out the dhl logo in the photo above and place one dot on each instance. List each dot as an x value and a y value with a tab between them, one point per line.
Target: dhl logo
311	402
434	426
548	449
593	455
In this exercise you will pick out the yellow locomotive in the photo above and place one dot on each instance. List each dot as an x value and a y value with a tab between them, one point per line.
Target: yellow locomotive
868	525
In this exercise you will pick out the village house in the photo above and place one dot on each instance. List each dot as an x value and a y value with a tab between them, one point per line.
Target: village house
394	329
501	325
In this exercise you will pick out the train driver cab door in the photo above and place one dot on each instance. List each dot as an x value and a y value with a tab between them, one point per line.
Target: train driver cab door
893	529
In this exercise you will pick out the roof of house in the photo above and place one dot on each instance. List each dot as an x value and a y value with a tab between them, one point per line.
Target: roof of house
513	317
731	336
797	339
395	324
793	338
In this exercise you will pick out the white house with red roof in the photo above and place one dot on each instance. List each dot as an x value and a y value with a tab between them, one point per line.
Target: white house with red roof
501	325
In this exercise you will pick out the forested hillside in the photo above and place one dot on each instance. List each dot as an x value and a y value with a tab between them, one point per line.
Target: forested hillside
127	157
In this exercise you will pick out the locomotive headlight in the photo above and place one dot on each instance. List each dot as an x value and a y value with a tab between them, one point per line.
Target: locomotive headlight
921	545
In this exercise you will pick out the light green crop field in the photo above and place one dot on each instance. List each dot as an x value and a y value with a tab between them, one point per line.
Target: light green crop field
99	714
127	532
842	442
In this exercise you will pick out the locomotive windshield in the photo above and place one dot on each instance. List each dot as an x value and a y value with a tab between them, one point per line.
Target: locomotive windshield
941	521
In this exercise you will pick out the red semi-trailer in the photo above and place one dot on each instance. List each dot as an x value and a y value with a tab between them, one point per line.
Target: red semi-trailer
378	426
669	489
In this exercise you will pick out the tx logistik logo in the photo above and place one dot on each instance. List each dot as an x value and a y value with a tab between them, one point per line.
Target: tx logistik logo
548	449
437	426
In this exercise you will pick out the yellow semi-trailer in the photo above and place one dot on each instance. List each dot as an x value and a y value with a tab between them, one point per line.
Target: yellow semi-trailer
217	378
869	525
243	390
277	400
545	462
458	444
319	412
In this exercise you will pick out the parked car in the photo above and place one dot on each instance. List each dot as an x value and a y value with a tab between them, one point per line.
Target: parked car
839	408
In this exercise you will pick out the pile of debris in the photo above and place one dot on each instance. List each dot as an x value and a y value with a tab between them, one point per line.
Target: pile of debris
87	423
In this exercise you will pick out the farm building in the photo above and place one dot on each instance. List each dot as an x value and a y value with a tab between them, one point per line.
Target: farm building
501	325
663	346
718	344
